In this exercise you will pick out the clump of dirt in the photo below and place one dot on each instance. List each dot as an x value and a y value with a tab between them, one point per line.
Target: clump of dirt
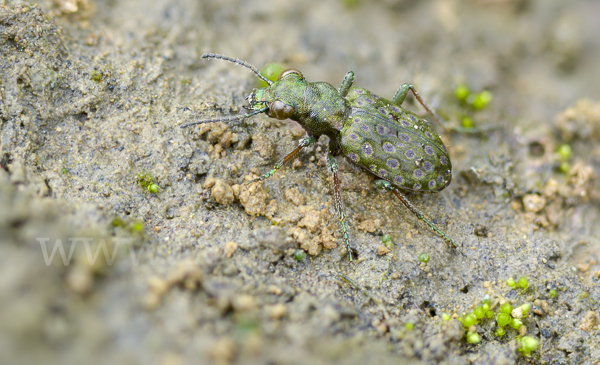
580	121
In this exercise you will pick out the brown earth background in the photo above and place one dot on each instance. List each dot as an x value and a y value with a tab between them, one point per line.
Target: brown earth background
92	94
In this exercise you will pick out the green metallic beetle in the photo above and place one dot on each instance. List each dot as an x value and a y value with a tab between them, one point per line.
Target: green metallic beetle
402	150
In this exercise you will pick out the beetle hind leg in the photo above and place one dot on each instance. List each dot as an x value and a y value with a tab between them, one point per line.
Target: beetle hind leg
386	185
398	99
346	84
401	94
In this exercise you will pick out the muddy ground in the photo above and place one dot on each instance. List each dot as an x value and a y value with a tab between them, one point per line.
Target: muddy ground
207	269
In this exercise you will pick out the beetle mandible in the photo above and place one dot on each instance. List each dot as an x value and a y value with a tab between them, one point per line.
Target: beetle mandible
402	150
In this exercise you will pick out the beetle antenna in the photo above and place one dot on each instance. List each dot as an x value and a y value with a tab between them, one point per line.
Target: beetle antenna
237	62
229	119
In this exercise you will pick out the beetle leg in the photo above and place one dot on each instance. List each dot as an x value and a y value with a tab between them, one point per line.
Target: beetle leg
333	167
304	142
346	84
355	285
420	215
398	99
386	185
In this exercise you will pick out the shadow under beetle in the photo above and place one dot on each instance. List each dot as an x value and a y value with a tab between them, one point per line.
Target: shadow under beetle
402	150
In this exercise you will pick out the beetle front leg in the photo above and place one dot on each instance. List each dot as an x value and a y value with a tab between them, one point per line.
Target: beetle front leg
333	167
305	142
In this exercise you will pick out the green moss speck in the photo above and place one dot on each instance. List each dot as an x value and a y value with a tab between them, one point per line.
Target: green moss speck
481	100
526	308
565	152
485	306
479	312
271	71
523	283
470	319
387	241
147	182
462	93
96	76
527	344
565	167
506	308
467	122
299	255
516	323
503	319
138	226
473	337
350	3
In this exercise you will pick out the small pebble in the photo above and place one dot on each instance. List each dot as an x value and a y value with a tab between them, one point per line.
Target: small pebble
517	313
230	248
275	290
590	321
534	203
542	304
382	250
243	303
222	351
277	311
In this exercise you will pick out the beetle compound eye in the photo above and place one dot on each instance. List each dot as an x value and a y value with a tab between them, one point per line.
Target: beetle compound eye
291	71
278	109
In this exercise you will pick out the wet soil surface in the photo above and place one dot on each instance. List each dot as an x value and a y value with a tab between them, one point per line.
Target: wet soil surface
127	239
